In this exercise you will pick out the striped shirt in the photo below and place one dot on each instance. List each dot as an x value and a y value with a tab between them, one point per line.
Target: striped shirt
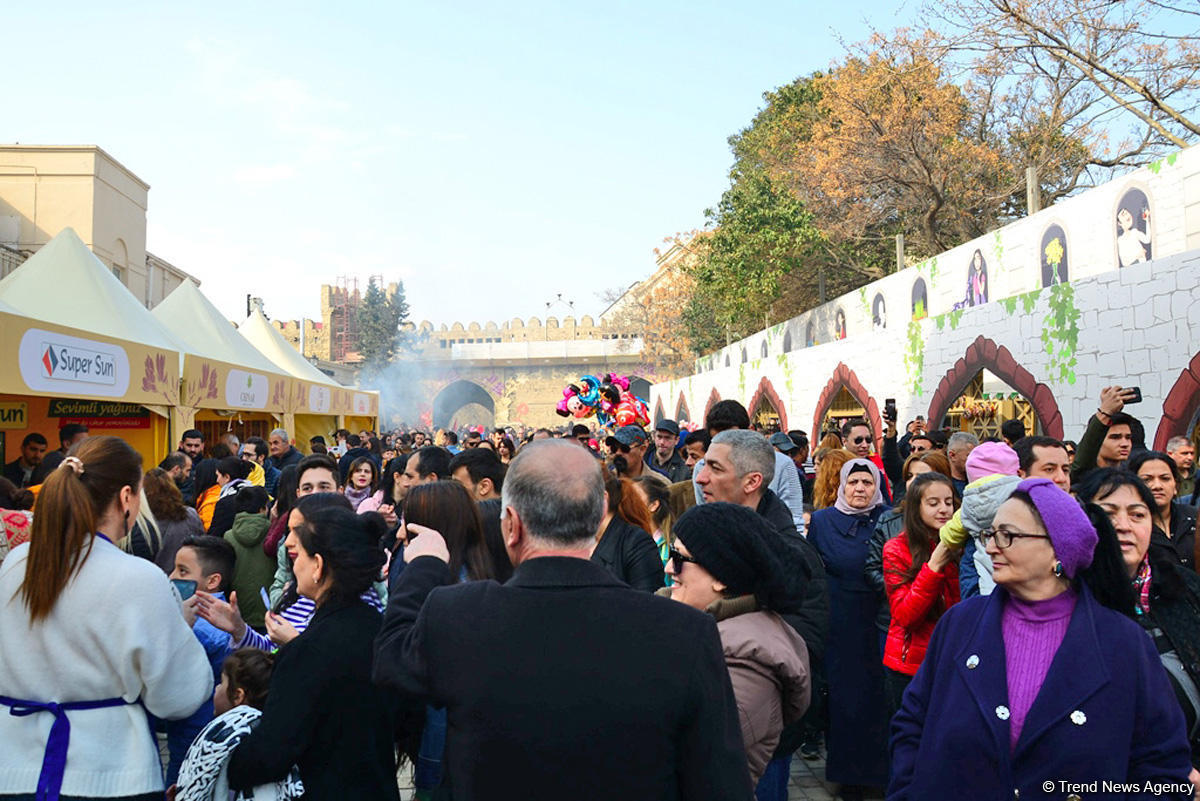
299	615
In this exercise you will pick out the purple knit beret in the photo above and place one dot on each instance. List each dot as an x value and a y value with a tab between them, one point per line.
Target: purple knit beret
1071	533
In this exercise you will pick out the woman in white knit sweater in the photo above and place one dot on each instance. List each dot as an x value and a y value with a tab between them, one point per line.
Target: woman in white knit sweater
91	639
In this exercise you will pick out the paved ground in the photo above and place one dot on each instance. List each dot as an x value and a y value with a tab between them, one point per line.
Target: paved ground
807	780
807	783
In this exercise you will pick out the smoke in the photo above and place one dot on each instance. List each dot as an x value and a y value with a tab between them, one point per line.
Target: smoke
403	390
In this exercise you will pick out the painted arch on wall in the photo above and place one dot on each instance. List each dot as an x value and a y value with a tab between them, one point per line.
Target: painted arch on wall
843	376
982	354
713	397
766	389
1180	406
683	413
659	414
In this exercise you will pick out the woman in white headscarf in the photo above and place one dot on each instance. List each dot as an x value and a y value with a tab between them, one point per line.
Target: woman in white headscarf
857	740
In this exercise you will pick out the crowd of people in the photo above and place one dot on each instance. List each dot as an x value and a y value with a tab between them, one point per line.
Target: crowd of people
665	613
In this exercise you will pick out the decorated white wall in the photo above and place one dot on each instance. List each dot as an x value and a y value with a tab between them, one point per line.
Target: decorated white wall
1057	343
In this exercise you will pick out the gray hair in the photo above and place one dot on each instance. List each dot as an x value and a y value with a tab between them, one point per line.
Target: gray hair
557	490
1175	443
749	452
960	439
279	432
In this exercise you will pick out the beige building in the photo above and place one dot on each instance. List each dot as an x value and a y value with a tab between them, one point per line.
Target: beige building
46	188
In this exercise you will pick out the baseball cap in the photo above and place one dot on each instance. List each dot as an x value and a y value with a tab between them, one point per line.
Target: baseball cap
670	426
783	442
628	436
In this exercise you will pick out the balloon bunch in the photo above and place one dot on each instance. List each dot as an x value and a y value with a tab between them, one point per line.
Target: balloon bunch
609	399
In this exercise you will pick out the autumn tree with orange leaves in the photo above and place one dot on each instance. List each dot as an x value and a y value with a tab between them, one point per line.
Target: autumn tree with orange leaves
895	147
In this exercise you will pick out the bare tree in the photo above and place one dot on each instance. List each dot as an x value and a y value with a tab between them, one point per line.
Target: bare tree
1079	86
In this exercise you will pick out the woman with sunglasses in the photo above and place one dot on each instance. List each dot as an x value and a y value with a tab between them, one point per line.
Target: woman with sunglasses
1167	594
722	564
857	736
1042	682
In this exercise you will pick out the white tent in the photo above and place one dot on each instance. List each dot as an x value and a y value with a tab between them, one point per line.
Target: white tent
262	335
65	299
204	331
65	283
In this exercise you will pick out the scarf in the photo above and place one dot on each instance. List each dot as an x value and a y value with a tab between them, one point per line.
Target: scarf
1141	583
876	501
357	496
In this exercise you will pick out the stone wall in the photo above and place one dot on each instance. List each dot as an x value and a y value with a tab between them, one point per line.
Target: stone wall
1057	346
1015	260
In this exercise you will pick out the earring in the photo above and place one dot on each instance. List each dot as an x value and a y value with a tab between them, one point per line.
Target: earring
1058	569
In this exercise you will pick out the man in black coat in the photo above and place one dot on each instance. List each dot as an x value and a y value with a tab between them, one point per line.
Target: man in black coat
283	453
561	683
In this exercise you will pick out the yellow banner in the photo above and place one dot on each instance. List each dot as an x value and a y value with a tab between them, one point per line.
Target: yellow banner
46	359
213	384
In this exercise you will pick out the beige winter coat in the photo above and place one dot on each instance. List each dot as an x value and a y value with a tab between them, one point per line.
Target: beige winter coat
768	667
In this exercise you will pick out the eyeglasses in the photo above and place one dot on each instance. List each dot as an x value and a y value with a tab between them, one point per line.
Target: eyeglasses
1005	538
861	440
677	560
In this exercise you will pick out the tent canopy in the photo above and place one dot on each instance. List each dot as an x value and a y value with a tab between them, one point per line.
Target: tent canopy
263	336
202	330
65	283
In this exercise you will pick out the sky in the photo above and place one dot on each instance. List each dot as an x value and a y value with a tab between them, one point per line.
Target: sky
491	156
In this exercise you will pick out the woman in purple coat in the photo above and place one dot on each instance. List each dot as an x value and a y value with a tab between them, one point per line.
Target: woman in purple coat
1039	690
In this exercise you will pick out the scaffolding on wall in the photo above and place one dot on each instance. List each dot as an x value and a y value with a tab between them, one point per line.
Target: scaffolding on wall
343	338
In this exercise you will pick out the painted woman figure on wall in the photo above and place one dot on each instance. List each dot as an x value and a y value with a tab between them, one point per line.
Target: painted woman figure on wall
1054	256
810	335
977	281
878	313
1133	229
839	325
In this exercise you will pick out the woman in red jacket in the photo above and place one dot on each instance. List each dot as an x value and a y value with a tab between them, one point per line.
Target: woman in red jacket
921	577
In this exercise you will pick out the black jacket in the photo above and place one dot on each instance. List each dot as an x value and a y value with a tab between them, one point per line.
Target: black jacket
557	686
675	469
808	610
1183	534
889	525
290	456
223	514
324	715
1175	609
14	473
630	554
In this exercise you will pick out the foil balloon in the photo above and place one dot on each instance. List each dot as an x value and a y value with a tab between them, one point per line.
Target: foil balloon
573	404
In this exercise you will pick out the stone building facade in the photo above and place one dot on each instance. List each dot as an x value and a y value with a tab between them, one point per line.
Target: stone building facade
46	188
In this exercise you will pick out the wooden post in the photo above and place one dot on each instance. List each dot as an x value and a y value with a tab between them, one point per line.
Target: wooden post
1033	191
899	252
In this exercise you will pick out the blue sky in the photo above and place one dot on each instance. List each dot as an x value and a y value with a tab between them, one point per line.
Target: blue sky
489	155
